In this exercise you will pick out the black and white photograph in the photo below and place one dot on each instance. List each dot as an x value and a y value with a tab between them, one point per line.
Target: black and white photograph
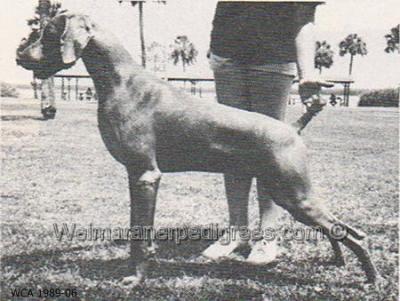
199	150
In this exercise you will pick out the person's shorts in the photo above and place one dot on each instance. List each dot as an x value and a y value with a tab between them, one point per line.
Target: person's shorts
218	62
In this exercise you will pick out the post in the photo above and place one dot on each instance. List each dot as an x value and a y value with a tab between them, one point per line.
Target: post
76	89
62	88
346	94
69	88
141	28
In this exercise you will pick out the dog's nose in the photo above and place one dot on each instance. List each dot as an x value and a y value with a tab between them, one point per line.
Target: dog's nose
24	62
18	59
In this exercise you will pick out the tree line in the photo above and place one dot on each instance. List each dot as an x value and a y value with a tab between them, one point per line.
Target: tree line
352	45
183	51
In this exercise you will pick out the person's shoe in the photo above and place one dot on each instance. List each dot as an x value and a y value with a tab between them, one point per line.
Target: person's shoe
49	112
225	249
263	252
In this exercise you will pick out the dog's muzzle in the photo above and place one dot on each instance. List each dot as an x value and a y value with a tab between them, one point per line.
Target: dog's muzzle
23	61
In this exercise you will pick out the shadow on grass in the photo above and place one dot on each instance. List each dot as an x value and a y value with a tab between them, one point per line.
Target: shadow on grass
21	117
172	261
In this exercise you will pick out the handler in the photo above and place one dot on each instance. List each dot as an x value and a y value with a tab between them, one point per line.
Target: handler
257	48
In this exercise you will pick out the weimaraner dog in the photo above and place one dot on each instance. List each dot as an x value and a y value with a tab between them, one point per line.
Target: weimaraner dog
150	127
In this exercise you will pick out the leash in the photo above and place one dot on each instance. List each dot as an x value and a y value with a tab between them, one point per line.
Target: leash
314	105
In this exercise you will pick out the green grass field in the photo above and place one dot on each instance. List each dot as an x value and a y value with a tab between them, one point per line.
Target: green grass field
59	171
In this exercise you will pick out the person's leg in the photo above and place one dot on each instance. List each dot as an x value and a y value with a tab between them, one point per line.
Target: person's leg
266	250
47	97
269	94
232	91
231	87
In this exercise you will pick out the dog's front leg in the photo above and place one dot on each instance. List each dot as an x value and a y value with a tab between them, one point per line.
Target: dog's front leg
143	193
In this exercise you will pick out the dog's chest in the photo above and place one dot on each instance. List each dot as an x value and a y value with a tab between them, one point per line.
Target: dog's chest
125	131
109	122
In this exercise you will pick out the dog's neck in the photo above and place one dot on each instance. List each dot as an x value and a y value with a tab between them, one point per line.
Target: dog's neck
109	64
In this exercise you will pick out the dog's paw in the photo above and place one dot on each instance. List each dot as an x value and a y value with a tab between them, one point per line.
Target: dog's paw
338	261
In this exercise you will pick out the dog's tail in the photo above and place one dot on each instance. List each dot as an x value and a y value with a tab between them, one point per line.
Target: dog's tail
313	107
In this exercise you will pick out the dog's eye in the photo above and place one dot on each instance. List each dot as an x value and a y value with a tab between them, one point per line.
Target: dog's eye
34	36
26	42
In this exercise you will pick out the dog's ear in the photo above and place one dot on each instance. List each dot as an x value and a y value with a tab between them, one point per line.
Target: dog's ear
77	34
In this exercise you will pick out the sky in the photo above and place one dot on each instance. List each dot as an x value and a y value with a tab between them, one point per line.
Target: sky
371	19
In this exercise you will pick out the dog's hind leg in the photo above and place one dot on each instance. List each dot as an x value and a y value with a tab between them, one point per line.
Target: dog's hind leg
295	199
291	189
143	193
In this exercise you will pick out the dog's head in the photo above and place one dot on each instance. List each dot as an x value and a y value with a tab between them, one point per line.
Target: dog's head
58	47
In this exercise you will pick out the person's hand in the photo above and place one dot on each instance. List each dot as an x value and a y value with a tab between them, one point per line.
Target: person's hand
309	89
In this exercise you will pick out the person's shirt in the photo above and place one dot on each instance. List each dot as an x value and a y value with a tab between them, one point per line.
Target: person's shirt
259	33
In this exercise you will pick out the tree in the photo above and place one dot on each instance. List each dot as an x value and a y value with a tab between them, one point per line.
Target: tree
353	45
183	50
393	40
323	55
141	25
157	56
393	43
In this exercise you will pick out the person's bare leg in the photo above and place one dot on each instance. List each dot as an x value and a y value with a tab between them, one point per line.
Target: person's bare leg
269	93
266	250
231	90
47	98
237	193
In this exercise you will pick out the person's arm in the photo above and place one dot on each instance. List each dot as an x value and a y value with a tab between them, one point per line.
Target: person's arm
309	81
305	47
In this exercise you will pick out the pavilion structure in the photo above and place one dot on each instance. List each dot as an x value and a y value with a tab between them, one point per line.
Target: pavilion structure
346	88
67	86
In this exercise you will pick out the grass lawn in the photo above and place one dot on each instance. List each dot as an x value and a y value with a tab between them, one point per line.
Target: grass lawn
59	171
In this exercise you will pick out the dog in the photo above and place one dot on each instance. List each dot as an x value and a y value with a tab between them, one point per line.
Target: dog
151	127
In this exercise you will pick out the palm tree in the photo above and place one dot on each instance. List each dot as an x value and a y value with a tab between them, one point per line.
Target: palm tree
323	55
393	43
354	45
392	40
183	50
141	25
157	55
